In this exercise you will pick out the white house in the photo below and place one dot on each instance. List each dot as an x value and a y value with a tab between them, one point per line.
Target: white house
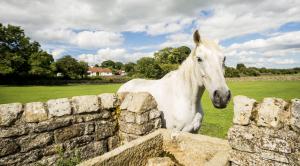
98	71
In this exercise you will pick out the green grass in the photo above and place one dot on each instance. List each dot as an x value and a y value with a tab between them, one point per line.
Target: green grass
216	122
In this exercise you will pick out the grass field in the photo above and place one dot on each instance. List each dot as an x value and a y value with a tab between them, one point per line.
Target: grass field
216	122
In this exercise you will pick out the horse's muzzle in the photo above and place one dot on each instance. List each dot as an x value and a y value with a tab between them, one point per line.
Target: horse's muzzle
221	98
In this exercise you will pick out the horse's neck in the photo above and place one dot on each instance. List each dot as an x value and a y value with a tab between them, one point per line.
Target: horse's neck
188	77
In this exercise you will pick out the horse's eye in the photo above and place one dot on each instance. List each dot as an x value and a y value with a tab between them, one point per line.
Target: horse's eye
199	59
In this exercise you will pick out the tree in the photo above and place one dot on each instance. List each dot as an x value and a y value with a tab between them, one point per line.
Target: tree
108	64
118	65
19	55
40	64
129	68
171	55
240	66
82	68
68	66
149	68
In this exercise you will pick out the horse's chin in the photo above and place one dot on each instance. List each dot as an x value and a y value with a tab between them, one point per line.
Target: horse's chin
219	105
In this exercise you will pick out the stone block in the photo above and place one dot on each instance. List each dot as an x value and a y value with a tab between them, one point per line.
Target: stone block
48	160
154	114
66	133
108	100
8	146
93	149
243	138
274	156
242	109
21	158
105	129
273	112
275	144
76	142
89	128
127	116
52	149
53	124
137	129
59	107
126	137
295	114
13	131
160	161
9	113
138	102
35	141
113	142
35	112
142	118
83	104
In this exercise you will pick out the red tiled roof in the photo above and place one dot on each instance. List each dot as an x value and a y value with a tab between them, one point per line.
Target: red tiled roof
99	70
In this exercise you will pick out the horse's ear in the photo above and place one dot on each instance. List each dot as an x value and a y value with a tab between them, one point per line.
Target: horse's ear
196	37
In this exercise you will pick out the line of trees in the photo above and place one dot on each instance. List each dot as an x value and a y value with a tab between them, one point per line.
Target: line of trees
22	58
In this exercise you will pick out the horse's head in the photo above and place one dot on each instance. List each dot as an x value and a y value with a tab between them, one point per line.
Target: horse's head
209	65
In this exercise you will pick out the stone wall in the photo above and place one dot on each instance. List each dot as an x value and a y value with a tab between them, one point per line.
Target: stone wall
266	133
82	126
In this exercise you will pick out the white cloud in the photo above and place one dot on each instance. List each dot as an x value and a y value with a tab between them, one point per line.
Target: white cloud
280	49
83	39
178	39
118	54
97	39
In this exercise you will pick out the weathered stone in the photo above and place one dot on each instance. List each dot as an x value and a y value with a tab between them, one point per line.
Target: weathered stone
93	149
8	146
251	159
78	142
154	114
59	107
242	109
275	144
138	102
105	129
160	161
121	96
84	104
113	142
272	112
142	118
137	129
269	155
294	158
13	131
9	113
21	158
126	137
48	160
243	138
105	114
89	128
53	124
127	116
108	100
63	134
35	141
35	112
52	149
295	114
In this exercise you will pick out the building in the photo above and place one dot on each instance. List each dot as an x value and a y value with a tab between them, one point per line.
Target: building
98	71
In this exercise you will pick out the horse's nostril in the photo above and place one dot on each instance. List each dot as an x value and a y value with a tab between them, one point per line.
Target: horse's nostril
229	95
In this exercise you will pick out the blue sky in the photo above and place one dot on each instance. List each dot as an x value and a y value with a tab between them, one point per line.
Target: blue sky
258	33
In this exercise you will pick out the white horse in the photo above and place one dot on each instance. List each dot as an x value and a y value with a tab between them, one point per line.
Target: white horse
178	94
